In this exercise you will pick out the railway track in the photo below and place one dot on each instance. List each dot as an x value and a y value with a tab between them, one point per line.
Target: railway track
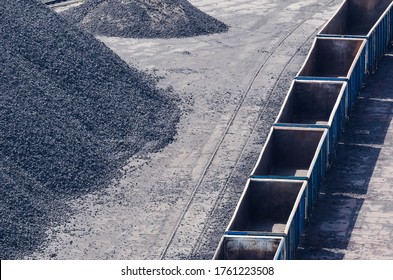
196	247
361	57
222	190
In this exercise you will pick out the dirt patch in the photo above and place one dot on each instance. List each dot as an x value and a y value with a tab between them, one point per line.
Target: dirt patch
71	113
143	19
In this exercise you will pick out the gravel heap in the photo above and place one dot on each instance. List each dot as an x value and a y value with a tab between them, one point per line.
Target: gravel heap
71	113
143	19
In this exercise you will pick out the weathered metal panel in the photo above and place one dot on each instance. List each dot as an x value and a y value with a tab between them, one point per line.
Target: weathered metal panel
368	19
232	247
271	208
295	153
337	59
317	104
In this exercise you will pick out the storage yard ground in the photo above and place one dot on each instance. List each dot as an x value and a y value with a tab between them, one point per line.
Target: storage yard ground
176	203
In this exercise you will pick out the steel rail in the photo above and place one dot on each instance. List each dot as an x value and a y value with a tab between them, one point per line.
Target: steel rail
240	104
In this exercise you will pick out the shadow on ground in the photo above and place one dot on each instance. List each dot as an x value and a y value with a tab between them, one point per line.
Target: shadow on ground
330	229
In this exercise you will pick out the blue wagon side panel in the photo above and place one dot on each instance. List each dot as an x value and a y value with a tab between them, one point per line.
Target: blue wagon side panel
316	104
342	44
378	32
257	214
356	75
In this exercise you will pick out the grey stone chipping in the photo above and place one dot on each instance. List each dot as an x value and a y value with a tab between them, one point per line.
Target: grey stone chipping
71	114
143	19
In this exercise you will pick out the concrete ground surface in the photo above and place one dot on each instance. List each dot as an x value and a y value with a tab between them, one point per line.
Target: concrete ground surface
353	218
175	204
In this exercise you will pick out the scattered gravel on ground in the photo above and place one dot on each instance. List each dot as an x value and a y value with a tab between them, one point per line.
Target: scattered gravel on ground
71	113
143	19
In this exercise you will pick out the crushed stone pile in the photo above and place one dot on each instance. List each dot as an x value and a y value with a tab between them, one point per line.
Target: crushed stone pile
143	19
71	114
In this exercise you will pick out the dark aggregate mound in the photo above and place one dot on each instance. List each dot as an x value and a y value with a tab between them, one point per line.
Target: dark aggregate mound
71	113
143	18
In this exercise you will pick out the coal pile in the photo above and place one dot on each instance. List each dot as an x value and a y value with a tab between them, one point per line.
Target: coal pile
71	113
143	19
